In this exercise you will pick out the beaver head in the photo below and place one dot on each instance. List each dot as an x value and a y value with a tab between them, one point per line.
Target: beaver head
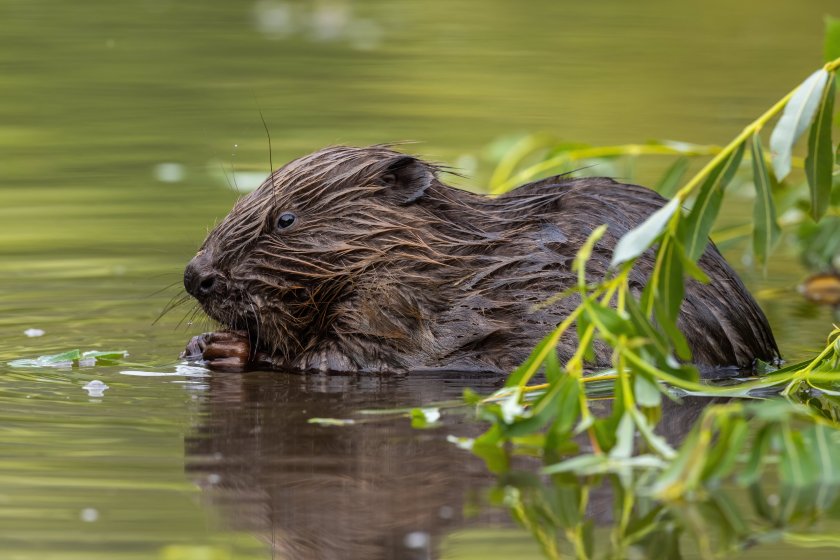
288	253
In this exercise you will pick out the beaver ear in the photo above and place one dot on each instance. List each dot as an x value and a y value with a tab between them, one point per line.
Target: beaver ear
407	178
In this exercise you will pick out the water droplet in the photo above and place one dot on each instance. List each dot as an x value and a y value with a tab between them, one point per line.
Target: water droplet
89	515
169	172
416	539
95	388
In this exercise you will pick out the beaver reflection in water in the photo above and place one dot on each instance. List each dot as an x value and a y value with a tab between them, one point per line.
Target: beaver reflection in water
362	260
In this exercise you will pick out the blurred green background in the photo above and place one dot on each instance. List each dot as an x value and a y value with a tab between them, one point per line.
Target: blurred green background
122	124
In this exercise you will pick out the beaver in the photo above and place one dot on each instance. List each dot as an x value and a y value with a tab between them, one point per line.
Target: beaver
363	260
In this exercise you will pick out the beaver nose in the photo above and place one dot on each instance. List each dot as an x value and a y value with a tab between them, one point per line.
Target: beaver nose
199	277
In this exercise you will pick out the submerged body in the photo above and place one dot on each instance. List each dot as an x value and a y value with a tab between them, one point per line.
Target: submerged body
362	260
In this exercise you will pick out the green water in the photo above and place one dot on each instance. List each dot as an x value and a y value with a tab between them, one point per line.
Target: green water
97	97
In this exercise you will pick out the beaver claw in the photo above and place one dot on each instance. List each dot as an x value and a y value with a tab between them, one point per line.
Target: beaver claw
223	350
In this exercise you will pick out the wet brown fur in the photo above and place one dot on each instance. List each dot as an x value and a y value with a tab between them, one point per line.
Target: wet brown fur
386	268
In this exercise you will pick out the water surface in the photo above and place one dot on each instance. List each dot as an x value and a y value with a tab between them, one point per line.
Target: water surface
119	123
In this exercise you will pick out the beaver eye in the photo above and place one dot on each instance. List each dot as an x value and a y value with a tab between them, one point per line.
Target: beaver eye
285	220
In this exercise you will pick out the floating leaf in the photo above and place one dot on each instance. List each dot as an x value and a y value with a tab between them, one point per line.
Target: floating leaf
701	218
669	182
637	240
820	160
798	113
767	231
104	357
72	358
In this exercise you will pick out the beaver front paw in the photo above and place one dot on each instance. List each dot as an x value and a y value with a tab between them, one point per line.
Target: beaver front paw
223	350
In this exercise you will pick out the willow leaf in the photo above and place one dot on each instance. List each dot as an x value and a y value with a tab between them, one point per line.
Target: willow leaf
671	289
766	229
832	38
798	113
669	182
637	240
699	221
819	162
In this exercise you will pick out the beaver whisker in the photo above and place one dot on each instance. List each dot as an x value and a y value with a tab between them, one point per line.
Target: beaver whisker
176	300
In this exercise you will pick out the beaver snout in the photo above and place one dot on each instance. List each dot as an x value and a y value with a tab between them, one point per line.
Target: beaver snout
200	279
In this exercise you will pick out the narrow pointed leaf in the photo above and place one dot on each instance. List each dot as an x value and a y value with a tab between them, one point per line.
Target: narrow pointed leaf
669	182
766	229
832	38
643	326
639	239
798	113
698	224
690	265
671	289
819	163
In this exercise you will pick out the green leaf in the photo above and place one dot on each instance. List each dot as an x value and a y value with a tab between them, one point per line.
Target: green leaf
72	357
702	216
796	467
644	327
832	38
553	371
637	240
517	377
671	287
678	476
51	360
105	357
820	160
585	251
728	445
625	434
646	390
672	178
607	320
488	446
760	445
822	441
425	417
690	266
542	409
657	442
798	113
766	230
581	463
664	294
568	405
582	325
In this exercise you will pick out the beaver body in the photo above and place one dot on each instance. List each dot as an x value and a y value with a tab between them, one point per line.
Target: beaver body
362	260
